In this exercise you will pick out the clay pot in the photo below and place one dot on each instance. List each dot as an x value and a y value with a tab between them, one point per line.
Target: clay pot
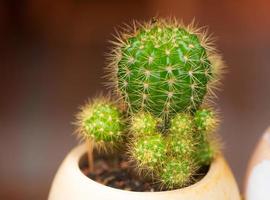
70	183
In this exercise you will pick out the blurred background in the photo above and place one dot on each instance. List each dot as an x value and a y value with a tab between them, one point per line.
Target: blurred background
52	59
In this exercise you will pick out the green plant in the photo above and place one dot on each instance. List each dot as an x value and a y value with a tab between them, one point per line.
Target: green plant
149	151
163	68
101	122
164	73
177	173
181	136
143	124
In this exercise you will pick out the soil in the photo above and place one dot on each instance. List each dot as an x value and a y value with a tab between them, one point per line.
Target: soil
117	172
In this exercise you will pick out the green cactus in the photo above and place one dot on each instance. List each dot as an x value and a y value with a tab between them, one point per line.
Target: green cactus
149	151
182	124
101	121
177	173
163	68
180	140
143	124
164	73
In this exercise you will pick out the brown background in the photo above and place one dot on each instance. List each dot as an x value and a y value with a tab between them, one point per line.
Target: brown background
52	58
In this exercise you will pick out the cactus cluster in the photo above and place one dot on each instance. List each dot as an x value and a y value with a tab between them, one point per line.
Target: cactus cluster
163	73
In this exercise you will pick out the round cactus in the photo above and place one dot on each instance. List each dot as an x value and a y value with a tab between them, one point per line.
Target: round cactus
149	151
163	68
177	173
143	124
101	121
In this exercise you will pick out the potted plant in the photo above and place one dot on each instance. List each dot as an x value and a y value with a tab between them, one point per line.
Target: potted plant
155	137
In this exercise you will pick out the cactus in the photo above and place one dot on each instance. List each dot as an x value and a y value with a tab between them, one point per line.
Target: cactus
163	68
181	136
182	124
177	173
101	122
149	151
143	124
164	74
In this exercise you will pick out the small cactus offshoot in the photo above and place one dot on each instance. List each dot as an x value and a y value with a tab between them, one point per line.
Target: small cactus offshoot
177	173
182	124
181	136
180	146
164	74
143	124
149	151
101	121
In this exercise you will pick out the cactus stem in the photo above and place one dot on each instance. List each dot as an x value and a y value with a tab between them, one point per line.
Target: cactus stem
90	154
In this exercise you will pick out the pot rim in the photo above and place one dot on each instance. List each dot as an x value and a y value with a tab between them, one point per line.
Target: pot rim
77	153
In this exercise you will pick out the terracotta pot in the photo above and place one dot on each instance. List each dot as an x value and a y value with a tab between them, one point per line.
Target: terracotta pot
71	183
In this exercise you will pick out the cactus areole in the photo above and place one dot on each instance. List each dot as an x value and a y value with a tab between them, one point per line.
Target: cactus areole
163	68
